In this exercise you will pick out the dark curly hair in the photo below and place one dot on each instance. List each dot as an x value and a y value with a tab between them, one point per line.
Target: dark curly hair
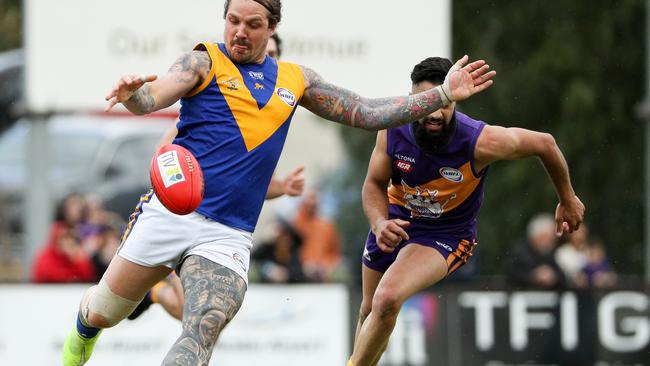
273	6
432	69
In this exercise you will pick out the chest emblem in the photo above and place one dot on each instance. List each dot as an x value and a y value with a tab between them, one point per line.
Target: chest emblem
424	203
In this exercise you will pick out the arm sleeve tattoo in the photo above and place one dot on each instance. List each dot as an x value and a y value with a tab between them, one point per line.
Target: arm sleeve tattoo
344	106
186	72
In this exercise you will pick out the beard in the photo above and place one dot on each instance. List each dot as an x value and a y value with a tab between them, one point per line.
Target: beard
433	143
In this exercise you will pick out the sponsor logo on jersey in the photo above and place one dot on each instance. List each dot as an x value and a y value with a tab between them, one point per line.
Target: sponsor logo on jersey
286	96
256	75
447	247
232	83
405	158
170	168
259	86
451	174
404	166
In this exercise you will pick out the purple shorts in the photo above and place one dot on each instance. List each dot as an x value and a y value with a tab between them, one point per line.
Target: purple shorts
456	250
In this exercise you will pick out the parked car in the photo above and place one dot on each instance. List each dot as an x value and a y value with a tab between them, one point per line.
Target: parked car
108	156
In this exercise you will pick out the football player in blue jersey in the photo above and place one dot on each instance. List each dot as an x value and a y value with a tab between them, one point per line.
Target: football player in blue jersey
169	292
236	106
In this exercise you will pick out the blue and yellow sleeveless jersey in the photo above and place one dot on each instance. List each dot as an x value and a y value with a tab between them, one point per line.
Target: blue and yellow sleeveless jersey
235	123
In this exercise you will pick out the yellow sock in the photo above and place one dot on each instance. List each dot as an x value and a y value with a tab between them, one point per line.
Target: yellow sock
350	363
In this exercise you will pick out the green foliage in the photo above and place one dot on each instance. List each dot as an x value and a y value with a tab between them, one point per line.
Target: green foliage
574	71
570	68
11	32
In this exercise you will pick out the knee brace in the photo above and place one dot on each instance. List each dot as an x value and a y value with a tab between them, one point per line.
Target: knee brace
101	300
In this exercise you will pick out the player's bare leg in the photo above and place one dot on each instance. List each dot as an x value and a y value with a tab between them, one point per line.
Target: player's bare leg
171	297
416	268
370	281
121	288
213	295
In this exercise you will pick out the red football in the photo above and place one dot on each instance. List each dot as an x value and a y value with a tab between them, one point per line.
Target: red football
177	179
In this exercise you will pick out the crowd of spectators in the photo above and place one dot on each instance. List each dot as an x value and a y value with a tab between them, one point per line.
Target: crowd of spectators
541	262
81	241
304	248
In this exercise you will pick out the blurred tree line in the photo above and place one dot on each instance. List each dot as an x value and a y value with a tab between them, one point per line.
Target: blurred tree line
11	31
570	68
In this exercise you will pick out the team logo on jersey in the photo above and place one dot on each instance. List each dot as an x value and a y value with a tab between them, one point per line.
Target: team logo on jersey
286	96
404	166
424	202
256	75
170	168
259	86
231	83
451	174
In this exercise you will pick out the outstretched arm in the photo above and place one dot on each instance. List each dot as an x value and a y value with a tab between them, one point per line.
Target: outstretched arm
148	93
499	143
389	233
341	105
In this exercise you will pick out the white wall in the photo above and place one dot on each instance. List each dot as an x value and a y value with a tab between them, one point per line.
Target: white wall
276	326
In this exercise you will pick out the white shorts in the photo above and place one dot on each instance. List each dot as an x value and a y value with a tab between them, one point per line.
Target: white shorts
154	237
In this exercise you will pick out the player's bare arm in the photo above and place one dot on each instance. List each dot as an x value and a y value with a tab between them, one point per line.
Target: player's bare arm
213	295
341	105
500	143
292	185
146	94
389	233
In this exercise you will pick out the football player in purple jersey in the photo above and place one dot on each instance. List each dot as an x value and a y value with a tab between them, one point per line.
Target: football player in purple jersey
421	196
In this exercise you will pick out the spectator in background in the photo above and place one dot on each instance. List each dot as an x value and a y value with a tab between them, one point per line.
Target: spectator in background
63	259
321	248
598	272
105	243
533	265
572	256
277	261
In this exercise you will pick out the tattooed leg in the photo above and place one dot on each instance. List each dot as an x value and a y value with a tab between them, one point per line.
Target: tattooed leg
213	295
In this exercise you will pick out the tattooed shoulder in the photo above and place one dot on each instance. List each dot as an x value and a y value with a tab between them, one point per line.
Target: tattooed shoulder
311	77
203	61
191	66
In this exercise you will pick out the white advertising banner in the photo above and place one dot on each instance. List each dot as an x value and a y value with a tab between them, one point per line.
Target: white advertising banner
77	49
277	325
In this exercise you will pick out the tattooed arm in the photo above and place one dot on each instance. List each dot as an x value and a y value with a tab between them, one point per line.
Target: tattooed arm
341	105
146	94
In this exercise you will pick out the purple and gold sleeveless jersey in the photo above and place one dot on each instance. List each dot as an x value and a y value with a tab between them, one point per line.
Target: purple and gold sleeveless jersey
441	192
235	123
